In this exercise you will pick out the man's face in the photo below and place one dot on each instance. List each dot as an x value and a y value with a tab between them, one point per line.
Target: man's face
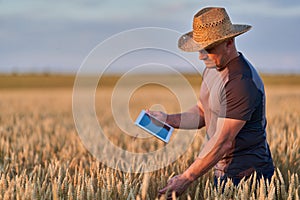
216	56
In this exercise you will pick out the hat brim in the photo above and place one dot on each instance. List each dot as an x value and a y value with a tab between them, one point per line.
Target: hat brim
188	44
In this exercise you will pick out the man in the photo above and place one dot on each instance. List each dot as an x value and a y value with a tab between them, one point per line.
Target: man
231	106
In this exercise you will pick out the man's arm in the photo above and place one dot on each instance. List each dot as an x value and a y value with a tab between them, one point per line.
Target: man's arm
213	151
191	119
215	148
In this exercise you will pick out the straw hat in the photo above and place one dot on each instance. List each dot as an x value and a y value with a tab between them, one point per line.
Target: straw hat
211	26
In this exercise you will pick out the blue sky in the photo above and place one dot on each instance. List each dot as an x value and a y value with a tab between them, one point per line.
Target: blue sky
55	36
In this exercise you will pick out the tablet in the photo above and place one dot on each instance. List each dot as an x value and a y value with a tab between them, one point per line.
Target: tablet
152	125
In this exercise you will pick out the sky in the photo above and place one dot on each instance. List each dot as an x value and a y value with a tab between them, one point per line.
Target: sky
43	36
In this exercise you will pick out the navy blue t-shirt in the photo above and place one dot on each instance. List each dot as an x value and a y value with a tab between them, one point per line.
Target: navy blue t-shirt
237	92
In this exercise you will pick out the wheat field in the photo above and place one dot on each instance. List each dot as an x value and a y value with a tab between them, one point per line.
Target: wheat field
42	156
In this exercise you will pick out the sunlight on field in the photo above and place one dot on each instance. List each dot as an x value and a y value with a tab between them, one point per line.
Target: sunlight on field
42	156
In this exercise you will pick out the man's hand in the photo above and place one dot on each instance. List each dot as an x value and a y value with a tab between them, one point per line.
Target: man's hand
177	184
158	115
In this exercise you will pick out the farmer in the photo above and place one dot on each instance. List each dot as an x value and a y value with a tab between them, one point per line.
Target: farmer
231	106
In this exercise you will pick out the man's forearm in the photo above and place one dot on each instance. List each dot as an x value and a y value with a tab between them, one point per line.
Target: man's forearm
192	119
203	164
215	148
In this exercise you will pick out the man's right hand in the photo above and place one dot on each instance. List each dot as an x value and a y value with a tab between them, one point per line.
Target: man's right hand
158	115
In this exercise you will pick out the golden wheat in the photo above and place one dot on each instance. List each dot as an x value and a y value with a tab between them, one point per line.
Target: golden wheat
42	157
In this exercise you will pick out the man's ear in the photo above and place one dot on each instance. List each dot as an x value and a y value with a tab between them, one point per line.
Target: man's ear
229	42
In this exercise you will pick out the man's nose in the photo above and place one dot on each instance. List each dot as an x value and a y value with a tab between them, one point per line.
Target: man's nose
202	54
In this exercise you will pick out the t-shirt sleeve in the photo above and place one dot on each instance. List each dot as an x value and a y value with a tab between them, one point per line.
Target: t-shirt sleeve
238	99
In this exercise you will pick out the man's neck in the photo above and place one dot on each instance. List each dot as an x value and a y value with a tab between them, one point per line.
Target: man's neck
231	56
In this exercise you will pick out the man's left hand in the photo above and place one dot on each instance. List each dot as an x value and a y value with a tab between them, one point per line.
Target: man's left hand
177	184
